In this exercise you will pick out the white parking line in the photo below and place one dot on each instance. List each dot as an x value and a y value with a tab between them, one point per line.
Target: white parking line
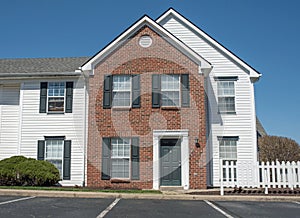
104	212
20	199
218	209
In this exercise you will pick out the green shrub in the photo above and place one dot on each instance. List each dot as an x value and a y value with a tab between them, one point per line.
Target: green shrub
22	171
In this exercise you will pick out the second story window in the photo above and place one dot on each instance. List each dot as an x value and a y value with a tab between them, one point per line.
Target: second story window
56	96
226	97
170	90
121	91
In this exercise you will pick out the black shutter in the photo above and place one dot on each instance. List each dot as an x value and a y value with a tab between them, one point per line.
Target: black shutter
155	91
136	98
185	90
67	160
43	97
69	97
41	150
107	91
105	174
135	159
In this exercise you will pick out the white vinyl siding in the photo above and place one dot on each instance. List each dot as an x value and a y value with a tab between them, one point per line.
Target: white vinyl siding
9	120
35	126
242	121
170	90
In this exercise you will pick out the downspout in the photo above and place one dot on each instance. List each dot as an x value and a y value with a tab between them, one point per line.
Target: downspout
86	78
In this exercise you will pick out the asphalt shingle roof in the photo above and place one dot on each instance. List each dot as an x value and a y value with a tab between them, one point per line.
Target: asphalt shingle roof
40	65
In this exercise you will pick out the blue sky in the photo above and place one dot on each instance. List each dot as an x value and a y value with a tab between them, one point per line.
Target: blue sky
264	33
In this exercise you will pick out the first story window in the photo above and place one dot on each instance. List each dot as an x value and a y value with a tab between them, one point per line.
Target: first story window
56	150
54	153
228	153
120	158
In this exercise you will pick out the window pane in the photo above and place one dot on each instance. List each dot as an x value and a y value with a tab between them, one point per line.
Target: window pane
121	83
120	168
56	89
226	96
121	99
56	104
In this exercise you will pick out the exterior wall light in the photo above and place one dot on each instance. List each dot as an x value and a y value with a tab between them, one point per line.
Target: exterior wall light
197	142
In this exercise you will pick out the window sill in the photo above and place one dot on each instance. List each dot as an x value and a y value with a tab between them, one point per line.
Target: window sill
175	108
229	113
121	108
55	113
120	180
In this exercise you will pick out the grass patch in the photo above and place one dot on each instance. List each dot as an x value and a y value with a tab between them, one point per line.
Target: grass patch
82	189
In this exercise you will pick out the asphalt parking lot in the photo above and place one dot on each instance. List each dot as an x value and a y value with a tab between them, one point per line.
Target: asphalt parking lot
17	206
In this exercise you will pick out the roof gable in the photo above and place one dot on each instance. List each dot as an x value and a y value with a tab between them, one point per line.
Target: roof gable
171	13
205	66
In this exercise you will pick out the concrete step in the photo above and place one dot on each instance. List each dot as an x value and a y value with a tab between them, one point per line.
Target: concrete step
171	188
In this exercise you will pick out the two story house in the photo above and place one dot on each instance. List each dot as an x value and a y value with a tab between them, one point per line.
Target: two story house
161	105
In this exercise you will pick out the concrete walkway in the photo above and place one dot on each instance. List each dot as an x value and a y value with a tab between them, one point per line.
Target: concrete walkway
166	195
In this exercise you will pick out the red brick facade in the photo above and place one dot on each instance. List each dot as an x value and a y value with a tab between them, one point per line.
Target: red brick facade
131	59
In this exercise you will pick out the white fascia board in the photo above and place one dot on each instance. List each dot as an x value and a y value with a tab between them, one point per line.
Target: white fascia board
89	66
252	72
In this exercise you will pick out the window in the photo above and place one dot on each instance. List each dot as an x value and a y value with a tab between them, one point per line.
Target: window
226	96
170	90
121	91
228	152
54	153
57	151
120	158
56	96
228	148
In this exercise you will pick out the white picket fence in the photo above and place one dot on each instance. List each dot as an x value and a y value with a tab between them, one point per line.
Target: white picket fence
246	174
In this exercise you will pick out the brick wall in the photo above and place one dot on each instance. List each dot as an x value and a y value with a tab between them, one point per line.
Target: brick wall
159	58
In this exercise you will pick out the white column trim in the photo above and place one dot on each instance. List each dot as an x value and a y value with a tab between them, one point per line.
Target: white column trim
185	168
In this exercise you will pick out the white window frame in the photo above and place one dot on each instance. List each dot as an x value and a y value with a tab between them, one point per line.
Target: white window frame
120	91
64	97
117	157
220	91
171	90
55	159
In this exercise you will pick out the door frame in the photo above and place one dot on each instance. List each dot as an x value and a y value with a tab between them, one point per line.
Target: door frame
180	134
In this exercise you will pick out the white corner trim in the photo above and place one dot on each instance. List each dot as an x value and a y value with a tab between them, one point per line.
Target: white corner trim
185	168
